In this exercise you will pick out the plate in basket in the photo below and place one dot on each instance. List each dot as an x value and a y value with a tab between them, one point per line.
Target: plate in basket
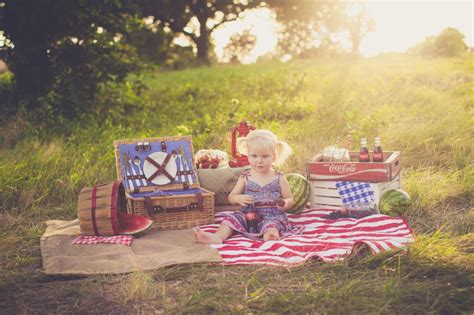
149	169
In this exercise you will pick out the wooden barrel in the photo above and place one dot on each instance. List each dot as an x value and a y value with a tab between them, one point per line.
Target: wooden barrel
97	208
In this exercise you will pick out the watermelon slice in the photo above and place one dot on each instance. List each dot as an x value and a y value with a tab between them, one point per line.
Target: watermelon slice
132	224
300	189
395	202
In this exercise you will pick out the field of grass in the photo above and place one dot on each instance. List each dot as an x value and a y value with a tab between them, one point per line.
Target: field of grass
424	108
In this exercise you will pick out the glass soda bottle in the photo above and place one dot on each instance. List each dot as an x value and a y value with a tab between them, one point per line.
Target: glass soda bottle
378	153
252	219
364	151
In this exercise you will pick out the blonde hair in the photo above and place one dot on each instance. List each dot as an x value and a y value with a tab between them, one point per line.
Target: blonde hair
269	142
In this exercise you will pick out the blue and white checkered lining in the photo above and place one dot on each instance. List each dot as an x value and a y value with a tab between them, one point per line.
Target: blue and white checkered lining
355	195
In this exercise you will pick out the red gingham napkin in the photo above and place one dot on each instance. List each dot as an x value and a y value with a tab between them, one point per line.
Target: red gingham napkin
117	239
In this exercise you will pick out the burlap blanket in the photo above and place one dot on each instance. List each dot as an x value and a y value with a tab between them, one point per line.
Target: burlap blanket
156	249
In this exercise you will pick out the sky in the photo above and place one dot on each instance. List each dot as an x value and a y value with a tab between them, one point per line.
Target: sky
402	24
399	25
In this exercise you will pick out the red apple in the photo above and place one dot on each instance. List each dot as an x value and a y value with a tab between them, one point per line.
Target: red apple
280	202
233	163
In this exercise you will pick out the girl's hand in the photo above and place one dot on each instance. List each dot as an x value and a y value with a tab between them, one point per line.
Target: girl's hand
244	200
282	204
285	194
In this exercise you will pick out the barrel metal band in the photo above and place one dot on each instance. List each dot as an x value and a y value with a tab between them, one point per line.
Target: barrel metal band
93	207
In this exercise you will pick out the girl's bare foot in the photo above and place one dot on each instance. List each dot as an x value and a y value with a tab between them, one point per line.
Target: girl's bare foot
271	235
206	237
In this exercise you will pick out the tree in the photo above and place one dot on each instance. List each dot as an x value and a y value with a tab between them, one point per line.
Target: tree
65	47
155	44
179	16
449	43
359	24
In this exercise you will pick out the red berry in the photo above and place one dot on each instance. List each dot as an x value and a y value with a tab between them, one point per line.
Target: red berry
280	202
205	164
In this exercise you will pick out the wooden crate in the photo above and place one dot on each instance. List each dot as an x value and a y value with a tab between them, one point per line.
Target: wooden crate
324	193
352	170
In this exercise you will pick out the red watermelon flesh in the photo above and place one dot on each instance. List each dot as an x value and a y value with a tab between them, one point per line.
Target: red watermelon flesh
133	224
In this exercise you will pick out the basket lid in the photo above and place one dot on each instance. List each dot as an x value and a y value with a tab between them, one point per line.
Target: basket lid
152	164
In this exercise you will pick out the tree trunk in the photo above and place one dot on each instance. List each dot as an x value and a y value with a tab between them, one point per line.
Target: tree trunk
356	35
355	44
203	41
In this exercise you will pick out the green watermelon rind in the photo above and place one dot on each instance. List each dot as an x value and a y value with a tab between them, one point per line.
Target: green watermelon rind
300	188
394	202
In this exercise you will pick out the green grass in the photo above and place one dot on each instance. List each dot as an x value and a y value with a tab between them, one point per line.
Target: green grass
424	108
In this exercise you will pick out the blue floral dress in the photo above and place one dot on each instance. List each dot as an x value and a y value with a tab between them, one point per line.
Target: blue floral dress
269	216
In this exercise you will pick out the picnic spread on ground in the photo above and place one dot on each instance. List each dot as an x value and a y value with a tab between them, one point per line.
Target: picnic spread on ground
144	220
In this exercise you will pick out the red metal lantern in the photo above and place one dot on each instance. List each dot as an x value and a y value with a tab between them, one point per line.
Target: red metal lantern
238	131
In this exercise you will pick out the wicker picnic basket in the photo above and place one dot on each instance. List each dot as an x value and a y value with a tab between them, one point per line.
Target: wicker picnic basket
161	182
176	212
97	209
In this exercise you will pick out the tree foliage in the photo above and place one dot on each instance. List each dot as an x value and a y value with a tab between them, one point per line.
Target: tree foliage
64	49
155	44
240	45
305	23
449	43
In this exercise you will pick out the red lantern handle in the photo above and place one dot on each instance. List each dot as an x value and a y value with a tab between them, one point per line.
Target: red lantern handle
234	144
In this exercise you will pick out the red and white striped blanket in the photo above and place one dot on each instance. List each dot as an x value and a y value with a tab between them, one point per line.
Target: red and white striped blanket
328	240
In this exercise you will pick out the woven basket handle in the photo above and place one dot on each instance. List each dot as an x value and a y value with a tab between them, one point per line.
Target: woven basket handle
193	206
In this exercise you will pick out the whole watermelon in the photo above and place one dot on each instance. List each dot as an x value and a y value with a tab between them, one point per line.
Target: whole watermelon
395	202
300	189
